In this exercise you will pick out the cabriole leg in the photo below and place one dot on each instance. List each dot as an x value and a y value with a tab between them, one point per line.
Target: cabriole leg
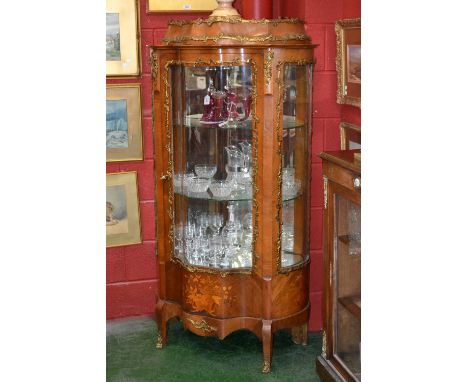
299	335
161	338
267	340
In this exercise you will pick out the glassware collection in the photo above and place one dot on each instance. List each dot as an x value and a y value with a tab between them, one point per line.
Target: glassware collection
226	108
214	172
207	240
238	182
236	186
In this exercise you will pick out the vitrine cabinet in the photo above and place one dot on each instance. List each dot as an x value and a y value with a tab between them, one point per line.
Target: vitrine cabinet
341	352
232	107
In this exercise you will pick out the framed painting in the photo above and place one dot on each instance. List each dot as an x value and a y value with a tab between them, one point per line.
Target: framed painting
123	123
182	5
122	209
350	136
122	41
348	61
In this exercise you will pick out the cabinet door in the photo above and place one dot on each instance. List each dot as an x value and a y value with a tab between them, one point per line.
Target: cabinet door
211	136
346	295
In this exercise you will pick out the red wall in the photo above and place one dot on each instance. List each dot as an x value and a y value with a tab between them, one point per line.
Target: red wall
320	17
131	271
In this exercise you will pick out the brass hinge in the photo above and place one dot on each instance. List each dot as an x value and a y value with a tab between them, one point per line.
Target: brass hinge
325	192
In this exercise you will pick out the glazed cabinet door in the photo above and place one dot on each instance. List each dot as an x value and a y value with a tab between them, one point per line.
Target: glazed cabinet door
344	310
210	137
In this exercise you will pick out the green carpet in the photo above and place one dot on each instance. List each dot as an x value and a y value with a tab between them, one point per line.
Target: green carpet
133	356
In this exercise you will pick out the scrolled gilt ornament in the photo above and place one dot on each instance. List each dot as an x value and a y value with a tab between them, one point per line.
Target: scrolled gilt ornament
267	66
240	38
159	342
235	20
324	344
154	62
266	366
202	325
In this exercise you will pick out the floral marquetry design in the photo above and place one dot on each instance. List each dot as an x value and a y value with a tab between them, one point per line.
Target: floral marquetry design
206	294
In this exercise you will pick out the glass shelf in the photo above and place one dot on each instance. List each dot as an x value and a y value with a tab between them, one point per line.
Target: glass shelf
208	196
353	304
289	122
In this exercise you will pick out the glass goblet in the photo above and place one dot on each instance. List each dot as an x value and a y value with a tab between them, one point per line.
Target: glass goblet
204	222
216	222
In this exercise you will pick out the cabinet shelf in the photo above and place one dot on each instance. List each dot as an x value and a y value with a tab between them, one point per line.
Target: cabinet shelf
208	196
193	120
354	243
346	239
352	304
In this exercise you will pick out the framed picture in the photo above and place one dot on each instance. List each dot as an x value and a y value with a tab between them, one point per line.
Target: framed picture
182	5
350	136
122	209
123	123
348	61
122	45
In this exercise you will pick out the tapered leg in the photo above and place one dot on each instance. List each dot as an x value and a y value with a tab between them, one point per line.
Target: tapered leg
299	335
161	339
267	339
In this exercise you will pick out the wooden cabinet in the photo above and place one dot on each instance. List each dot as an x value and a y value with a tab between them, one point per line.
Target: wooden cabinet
232	108
341	352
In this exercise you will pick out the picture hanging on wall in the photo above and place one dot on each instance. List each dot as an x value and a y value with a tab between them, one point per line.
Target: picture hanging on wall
122	209
122	45
348	61
181	5
123	123
350	136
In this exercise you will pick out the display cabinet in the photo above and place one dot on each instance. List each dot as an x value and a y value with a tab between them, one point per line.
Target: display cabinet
341	351
232	107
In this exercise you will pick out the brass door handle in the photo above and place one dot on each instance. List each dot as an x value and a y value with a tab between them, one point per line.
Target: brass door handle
166	176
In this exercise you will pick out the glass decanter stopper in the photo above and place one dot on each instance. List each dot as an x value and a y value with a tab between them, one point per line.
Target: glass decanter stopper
209	104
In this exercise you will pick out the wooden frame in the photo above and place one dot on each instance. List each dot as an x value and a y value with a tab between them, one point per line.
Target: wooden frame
350	136
123	114
342	181
348	61
122	38
122	209
181	5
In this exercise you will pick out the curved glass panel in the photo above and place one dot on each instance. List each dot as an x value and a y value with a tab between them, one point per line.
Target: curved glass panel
295	164
212	154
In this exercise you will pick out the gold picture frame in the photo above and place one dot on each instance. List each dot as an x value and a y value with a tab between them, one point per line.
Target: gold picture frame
122	38
348	61
181	5
122	209
124	133
350	136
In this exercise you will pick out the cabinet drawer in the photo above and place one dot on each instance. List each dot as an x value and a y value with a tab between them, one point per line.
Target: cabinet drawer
342	176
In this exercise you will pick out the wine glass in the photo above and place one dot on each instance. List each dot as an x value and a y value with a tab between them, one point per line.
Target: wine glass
216	222
204	222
